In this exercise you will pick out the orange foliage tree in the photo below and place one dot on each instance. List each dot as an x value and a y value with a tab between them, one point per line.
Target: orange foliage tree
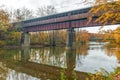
82	36
117	35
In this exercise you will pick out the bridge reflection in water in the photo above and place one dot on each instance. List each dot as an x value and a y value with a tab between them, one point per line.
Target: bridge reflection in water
50	63
56	63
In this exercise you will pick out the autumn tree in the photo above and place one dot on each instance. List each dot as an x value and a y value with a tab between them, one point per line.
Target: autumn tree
117	35
82	36
59	36
39	38
4	20
108	36
4	26
108	11
62	36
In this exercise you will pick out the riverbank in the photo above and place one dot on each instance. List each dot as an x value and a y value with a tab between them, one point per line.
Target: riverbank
31	46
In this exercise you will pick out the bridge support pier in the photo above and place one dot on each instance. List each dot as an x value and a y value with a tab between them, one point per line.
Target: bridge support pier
25	39
53	41
71	38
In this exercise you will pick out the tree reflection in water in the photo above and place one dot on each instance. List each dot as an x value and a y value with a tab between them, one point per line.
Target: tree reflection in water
3	71
43	63
49	55
55	63
113	49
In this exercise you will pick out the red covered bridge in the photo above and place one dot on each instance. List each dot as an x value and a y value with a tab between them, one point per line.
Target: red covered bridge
71	19
67	20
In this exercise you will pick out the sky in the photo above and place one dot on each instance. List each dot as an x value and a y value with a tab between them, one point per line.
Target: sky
60	5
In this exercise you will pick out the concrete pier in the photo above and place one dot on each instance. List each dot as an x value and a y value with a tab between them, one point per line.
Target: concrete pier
25	39
71	39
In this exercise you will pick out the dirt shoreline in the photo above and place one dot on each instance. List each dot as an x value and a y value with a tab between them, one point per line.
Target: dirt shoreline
31	46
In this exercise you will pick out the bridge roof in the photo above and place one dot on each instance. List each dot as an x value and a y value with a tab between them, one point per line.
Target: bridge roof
57	15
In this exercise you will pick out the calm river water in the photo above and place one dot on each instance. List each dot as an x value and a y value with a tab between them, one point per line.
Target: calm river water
56	63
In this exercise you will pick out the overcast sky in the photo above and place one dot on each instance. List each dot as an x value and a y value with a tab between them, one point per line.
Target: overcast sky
61	5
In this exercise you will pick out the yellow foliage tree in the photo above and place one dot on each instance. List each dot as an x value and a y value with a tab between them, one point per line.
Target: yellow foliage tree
4	20
108	11
4	25
82	36
117	35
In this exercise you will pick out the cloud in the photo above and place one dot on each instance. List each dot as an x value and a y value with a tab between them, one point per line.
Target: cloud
39	3
61	5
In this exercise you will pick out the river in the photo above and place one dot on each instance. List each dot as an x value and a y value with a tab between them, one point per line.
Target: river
56	63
